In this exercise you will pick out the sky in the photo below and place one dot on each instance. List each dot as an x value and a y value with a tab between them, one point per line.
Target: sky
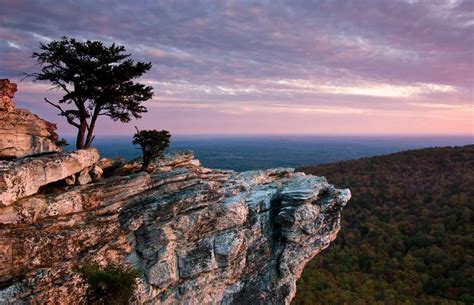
323	67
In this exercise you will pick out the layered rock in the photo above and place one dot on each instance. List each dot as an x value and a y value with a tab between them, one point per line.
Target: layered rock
7	92
21	132
200	236
23	177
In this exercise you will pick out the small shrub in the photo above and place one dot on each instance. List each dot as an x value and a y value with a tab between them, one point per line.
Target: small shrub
113	284
152	144
61	142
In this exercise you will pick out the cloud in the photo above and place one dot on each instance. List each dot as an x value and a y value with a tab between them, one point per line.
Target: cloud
313	57
387	90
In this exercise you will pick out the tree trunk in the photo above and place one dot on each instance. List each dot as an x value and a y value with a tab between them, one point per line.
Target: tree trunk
90	133
145	164
82	122
145	159
81	132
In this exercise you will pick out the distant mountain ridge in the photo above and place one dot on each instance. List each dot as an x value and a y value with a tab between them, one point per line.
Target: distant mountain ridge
407	236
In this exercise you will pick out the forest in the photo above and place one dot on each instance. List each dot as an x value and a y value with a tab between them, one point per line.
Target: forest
406	236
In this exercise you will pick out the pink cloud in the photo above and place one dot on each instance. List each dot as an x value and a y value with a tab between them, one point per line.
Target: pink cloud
282	67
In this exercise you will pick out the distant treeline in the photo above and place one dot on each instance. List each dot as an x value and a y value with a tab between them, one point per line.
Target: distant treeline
407	235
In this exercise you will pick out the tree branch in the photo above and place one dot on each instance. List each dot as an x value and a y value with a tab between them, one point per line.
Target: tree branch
27	75
55	105
63	86
64	113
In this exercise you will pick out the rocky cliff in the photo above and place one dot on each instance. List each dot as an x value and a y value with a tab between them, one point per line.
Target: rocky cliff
199	236
21	132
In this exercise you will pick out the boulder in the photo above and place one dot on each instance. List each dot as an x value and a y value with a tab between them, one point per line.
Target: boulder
96	172
23	177
84	177
105	163
71	180
21	132
166	163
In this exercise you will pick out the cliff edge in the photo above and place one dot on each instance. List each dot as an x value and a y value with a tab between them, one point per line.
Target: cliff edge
198	235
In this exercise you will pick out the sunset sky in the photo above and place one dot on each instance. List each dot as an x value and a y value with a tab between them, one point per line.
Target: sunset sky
268	67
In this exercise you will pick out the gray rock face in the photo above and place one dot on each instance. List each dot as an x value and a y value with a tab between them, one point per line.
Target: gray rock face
200	236
21	132
23	177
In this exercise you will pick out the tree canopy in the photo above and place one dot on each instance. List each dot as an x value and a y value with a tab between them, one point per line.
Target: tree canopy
97	80
407	234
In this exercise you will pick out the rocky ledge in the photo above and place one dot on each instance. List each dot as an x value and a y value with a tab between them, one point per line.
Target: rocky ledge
24	177
21	132
199	236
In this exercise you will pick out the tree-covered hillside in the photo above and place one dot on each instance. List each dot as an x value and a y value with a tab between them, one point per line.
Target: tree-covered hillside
407	235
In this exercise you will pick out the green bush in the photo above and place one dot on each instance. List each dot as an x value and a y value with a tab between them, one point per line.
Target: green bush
61	142
152	144
113	284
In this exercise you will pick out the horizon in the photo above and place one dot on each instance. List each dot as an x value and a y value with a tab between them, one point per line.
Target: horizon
249	152
296	135
329	68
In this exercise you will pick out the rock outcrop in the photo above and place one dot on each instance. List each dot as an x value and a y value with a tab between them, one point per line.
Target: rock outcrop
23	177
7	92
21	132
200	236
